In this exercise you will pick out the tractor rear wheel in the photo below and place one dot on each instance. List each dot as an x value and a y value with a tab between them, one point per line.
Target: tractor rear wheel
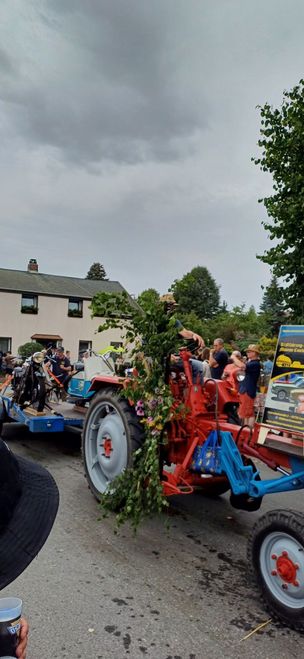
110	436
276	554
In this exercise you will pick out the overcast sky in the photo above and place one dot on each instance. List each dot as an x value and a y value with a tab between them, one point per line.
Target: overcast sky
127	130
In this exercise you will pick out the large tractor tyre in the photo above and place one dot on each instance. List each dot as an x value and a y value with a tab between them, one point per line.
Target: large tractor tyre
213	486
276	554
110	436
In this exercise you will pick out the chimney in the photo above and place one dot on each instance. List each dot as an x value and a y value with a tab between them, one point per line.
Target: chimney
32	266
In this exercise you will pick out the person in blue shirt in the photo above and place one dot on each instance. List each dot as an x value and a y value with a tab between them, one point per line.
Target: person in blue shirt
248	386
218	359
267	365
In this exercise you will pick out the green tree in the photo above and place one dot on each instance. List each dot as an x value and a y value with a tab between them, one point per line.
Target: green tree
147	297
272	306
197	292
98	272
282	144
28	349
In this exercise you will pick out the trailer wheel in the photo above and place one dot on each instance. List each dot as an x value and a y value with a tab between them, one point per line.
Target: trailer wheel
276	554
110	436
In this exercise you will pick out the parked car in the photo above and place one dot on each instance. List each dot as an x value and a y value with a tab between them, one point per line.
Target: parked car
281	390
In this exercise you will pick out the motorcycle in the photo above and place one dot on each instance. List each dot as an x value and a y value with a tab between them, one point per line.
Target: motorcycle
28	383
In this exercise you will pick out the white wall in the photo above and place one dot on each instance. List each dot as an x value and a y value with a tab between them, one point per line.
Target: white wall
52	318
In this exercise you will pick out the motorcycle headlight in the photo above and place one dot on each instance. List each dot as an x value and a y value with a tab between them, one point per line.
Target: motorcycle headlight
38	357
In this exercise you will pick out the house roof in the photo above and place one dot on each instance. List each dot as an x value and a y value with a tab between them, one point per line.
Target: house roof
19	281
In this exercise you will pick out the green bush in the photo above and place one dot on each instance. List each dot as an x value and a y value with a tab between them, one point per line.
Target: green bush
29	348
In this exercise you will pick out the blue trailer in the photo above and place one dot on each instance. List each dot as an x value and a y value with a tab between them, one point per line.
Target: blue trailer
61	417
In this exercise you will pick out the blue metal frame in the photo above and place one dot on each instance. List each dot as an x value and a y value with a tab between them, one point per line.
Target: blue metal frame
45	423
243	479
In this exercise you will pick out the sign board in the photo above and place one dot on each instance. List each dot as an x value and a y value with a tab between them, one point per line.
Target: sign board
284	405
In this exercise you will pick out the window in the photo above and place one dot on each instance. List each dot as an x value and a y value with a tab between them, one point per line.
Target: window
75	308
29	303
83	347
5	343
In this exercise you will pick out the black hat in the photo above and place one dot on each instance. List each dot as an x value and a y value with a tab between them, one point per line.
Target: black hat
29	500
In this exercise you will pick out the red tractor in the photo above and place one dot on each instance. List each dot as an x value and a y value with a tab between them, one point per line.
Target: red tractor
208	449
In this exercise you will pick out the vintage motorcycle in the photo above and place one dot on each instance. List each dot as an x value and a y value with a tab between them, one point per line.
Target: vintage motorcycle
28	383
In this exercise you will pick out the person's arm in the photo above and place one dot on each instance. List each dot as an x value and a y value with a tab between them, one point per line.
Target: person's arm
23	636
212	362
238	362
66	366
188	334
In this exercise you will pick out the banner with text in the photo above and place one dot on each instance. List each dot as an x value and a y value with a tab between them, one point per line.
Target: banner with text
284	405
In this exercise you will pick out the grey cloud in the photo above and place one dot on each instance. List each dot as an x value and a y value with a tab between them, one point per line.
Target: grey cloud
6	64
120	98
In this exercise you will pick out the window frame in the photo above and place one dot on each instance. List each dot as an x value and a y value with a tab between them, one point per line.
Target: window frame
29	308
76	312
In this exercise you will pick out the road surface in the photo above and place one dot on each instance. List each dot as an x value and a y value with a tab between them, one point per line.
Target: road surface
177	593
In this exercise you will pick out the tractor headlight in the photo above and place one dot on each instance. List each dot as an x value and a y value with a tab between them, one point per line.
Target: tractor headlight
38	357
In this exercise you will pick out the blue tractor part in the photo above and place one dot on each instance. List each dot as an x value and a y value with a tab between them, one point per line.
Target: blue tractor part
220	455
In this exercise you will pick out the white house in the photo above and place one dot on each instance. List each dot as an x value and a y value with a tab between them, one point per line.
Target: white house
50	308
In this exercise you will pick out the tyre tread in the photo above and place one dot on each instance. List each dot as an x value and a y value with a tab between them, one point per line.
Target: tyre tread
290	521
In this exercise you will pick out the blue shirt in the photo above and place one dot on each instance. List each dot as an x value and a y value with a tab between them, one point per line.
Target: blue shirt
250	382
221	357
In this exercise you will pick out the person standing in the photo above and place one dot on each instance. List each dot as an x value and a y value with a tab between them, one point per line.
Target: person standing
62	366
9	362
248	386
218	359
267	368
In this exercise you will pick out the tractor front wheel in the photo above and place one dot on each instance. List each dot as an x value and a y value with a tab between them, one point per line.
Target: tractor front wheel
111	434
276	554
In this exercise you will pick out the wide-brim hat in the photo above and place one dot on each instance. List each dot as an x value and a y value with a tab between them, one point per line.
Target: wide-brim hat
254	348
29	500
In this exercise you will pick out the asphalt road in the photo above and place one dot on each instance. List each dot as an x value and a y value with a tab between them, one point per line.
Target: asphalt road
182	593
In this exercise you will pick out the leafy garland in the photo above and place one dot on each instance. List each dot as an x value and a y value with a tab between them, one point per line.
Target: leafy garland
137	492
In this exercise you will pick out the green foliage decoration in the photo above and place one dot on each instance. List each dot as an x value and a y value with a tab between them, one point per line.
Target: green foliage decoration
152	335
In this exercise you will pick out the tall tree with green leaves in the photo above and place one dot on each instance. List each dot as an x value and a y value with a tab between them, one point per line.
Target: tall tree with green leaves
272	306
197	292
97	272
147	297
282	144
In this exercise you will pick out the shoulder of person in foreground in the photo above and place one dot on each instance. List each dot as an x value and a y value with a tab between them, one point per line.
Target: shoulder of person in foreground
27	491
